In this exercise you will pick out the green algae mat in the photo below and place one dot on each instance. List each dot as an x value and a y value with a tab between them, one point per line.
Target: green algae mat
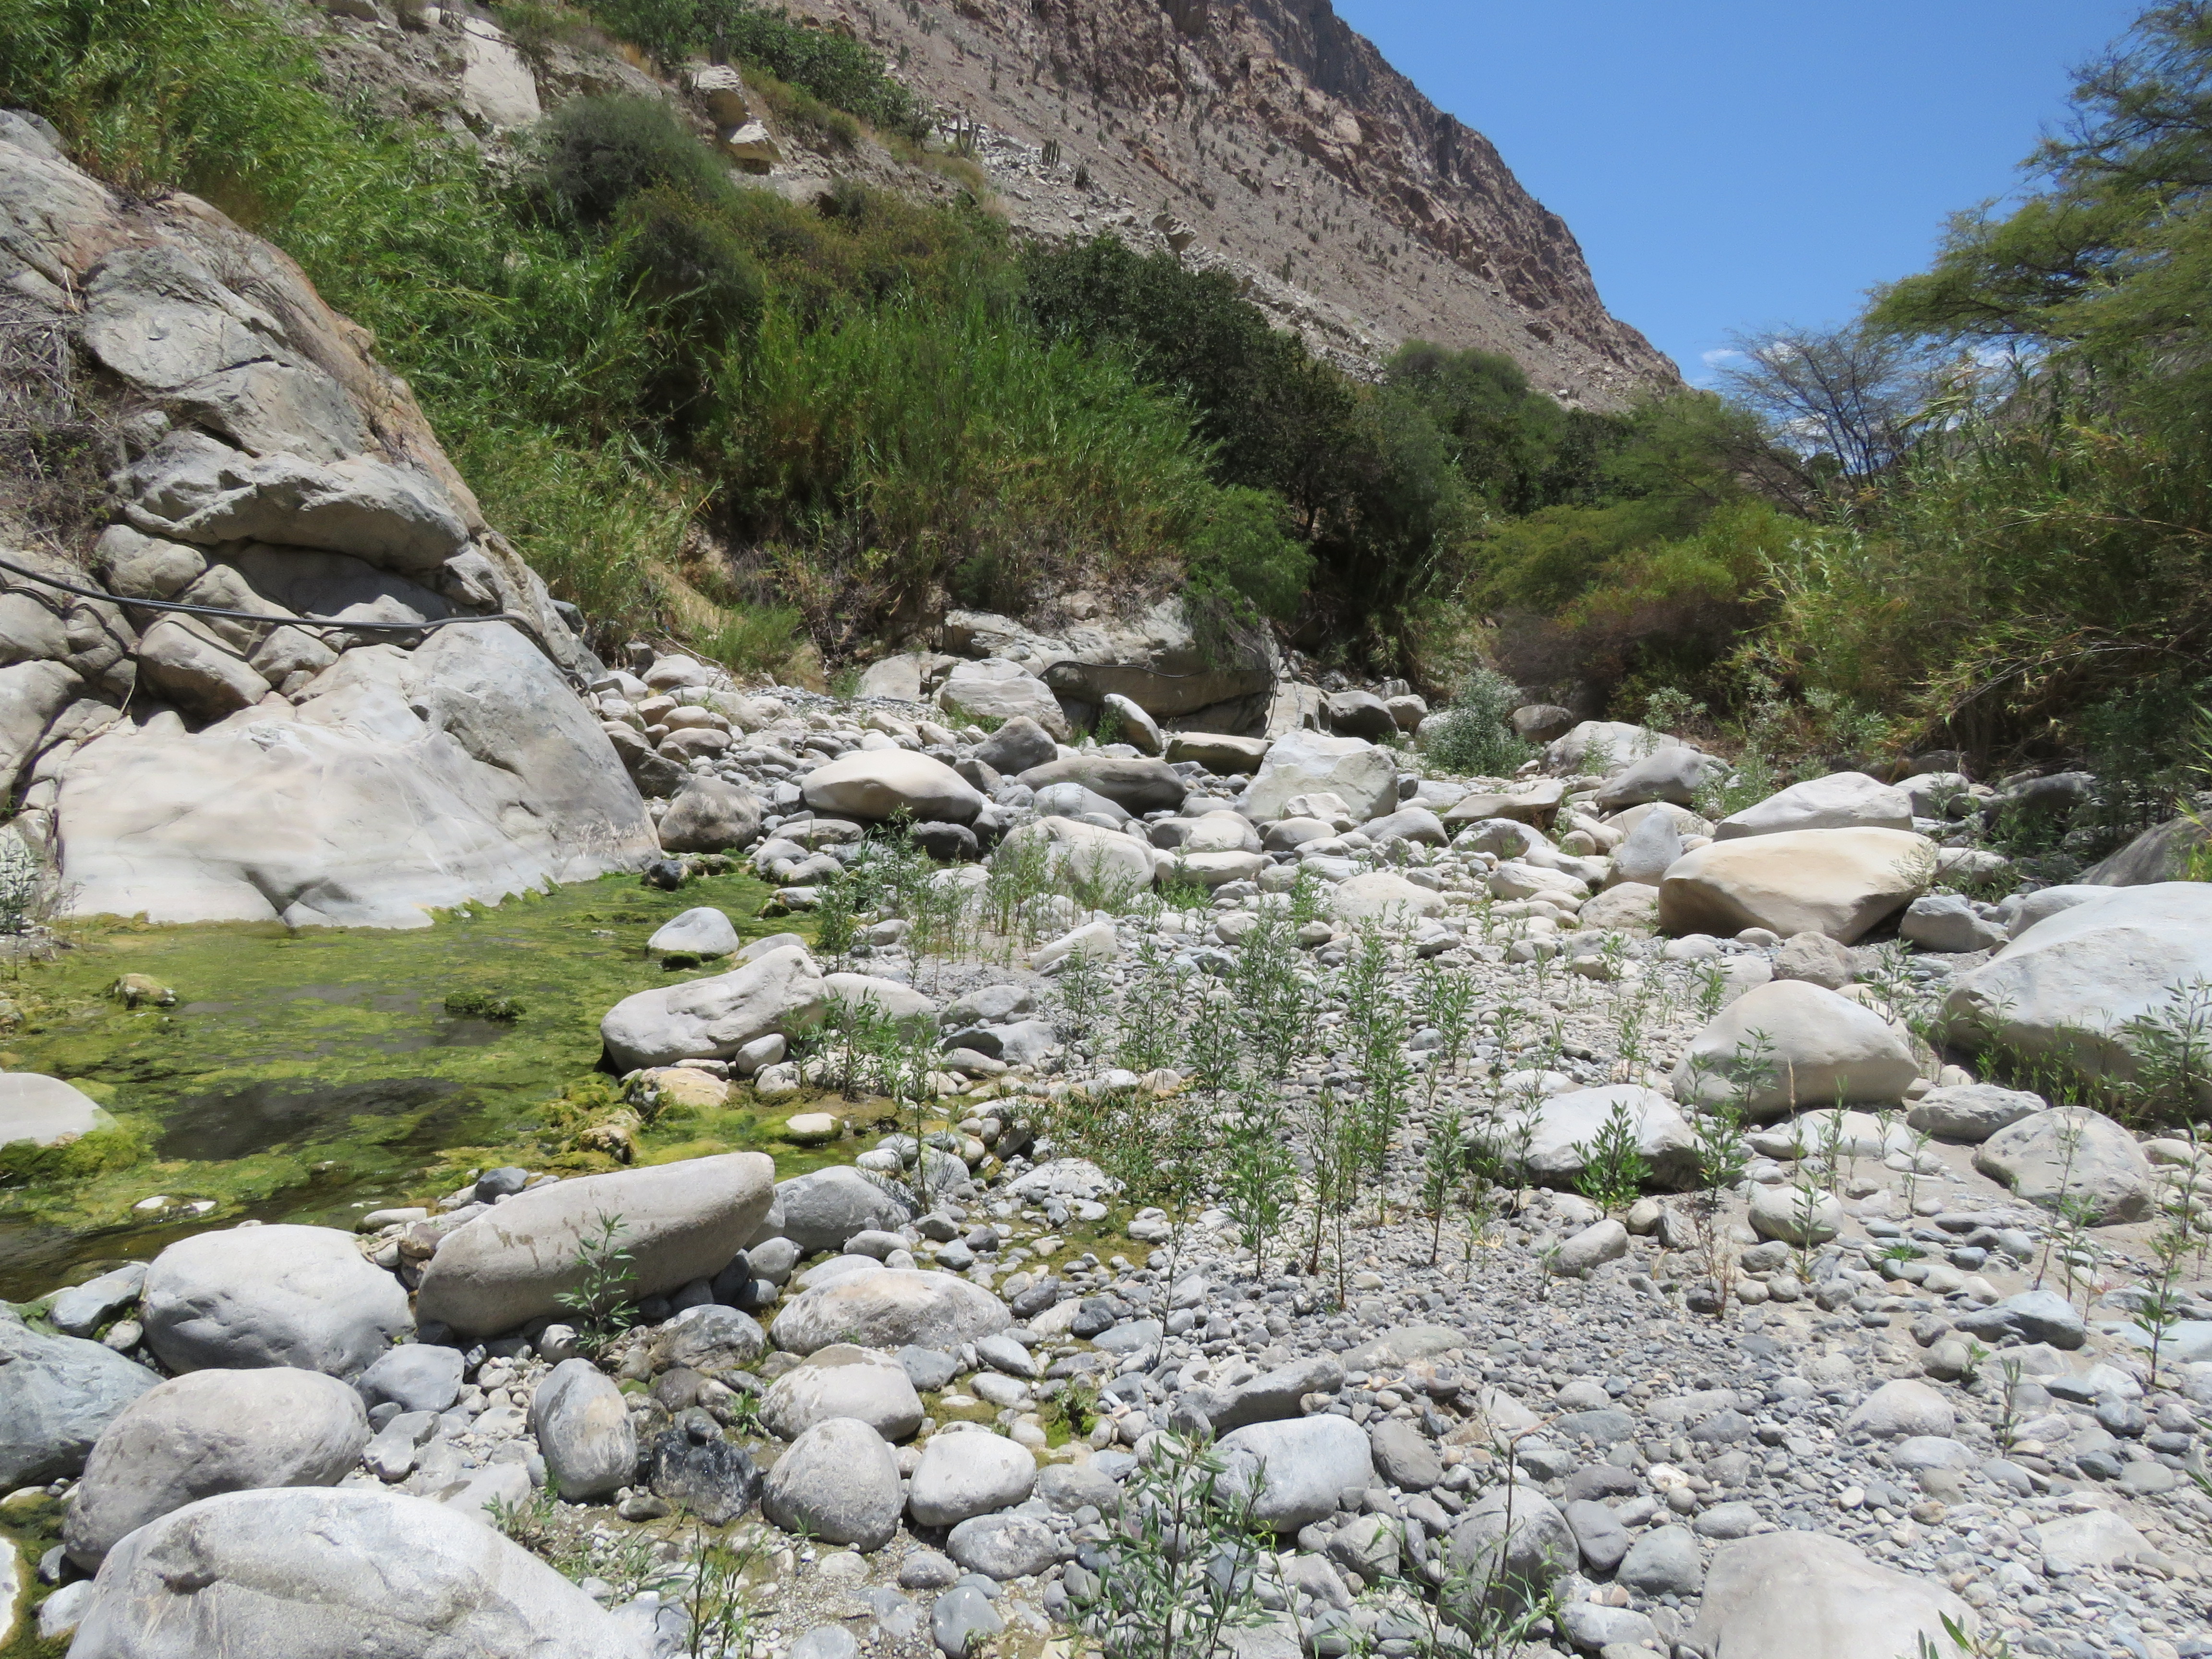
309	1076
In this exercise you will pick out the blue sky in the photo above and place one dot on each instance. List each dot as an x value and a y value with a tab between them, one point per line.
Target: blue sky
1728	164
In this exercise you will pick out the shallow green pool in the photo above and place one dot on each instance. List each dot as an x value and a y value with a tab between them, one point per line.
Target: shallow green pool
304	1076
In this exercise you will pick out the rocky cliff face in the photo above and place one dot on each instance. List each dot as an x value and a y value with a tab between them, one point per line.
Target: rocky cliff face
1265	137
260	461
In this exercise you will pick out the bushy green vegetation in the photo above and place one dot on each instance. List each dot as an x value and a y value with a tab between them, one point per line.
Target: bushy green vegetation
779	428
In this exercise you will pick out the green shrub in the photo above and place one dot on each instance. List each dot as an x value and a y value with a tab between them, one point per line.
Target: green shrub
695	268
833	68
596	153
1471	735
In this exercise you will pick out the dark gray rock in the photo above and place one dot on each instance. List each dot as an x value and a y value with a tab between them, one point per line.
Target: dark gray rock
695	1469
415	1377
56	1394
1598	1534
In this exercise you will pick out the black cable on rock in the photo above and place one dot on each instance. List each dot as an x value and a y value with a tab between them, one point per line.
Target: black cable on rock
277	621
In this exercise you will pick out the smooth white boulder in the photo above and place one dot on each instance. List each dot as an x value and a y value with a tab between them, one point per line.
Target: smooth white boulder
46	1110
977	690
1837	882
702	930
1085	853
581	1420
844	1380
1790	1044
963	1475
2072	1152
679	1221
1842	801
1306	1462
1383	898
876	784
1811	1596
2069	986
1562	1128
1301	762
355	810
837	1483
779	993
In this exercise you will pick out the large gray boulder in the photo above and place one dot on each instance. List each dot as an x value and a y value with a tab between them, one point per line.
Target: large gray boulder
1362	776
1788	1045
998	690
710	1339
678	1222
1511	1545
1563	1129
876	784
889	1309
403	783
1842	801
582	1423
1647	851
250	1296
56	1394
1135	786
336	1573
1838	882
709	815
1812	1596
2072	1152
2074	987
1971	1112
961	1475
1017	745
1603	747
1673	774
820	1210
837	1483
2160	853
1298	1467
843	1381
210	1433
778	992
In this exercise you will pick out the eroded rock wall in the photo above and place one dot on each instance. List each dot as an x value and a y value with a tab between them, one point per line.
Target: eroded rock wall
198	767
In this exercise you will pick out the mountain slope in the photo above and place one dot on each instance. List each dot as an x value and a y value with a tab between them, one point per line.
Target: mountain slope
1268	137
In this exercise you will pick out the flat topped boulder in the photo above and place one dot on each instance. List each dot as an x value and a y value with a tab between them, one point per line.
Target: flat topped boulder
1837	882
1842	801
891	1309
1379	896
679	1221
248	1296
878	784
1000	690
1135	786
46	1110
1218	751
778	992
